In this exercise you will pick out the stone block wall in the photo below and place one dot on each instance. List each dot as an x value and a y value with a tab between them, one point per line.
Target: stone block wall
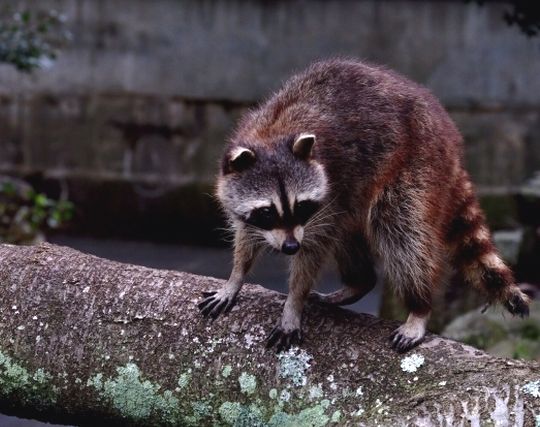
131	119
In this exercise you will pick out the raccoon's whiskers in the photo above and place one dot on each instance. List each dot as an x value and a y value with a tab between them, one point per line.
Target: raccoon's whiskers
322	221
320	245
254	237
324	213
318	234
227	233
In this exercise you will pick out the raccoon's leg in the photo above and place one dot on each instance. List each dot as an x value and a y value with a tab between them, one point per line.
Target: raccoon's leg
406	237
245	252
357	272
412	332
414	265
305	267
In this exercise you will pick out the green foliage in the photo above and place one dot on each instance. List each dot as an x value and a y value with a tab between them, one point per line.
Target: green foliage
530	331
29	39
525	14
524	349
483	340
25	213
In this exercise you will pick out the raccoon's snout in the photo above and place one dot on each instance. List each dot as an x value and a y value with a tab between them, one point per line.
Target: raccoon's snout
290	246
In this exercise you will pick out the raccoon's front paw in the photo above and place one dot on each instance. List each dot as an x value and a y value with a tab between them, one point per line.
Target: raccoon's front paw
215	303
282	339
404	338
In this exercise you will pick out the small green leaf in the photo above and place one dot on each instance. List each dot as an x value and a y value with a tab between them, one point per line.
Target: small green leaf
8	188
25	16
41	200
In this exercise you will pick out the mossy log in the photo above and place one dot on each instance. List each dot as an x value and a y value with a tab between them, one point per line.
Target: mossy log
89	341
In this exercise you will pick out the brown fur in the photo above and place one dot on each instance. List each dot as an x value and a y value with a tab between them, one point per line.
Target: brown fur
393	158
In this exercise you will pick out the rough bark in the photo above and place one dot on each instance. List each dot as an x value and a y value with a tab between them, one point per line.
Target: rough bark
83	339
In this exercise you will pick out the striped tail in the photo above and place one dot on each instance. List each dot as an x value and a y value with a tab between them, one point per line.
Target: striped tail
475	257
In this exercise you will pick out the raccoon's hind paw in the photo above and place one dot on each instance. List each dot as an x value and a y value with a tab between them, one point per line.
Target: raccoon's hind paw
283	340
215	303
518	304
402	340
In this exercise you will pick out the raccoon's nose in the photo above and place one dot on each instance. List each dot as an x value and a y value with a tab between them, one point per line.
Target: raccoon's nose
290	246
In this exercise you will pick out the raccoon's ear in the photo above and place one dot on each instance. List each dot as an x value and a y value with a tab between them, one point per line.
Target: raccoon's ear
239	159
303	146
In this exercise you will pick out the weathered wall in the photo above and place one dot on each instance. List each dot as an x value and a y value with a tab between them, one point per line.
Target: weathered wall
137	106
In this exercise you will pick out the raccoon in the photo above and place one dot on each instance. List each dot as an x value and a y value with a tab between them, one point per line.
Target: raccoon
354	162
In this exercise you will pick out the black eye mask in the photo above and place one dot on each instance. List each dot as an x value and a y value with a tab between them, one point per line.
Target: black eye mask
266	218
304	210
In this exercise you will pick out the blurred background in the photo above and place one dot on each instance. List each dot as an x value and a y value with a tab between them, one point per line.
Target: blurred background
113	116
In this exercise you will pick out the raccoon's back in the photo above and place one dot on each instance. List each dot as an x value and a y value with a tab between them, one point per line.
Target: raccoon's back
340	100
370	123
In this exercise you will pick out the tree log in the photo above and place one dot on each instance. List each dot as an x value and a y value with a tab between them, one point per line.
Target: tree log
88	341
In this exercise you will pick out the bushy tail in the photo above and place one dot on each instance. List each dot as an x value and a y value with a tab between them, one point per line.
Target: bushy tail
476	258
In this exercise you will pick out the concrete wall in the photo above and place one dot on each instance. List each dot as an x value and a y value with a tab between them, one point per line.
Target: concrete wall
145	94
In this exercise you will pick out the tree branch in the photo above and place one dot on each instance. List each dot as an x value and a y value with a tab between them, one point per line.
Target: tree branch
83	339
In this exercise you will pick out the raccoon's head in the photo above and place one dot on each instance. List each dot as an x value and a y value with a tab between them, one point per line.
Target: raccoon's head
274	190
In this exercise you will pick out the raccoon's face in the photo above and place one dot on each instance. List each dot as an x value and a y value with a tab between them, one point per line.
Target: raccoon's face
275	192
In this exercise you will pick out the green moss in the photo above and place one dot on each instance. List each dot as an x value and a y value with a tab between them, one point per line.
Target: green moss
250	416
238	415
532	388
201	410
226	371
14	376
316	392
96	381
140	401
293	365
336	416
263	412
135	398
184	379
230	412
310	417
34	387
248	383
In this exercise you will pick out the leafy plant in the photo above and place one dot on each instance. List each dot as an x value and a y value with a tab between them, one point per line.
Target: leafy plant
29	39
525	14
25	214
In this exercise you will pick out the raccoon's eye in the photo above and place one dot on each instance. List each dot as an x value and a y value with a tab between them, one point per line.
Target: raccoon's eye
304	210
265	218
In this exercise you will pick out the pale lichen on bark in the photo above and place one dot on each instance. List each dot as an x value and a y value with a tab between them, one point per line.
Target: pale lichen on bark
102	340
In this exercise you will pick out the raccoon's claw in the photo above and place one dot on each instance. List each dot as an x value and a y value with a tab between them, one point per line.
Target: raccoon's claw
208	294
214	304
283	340
402	343
518	305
